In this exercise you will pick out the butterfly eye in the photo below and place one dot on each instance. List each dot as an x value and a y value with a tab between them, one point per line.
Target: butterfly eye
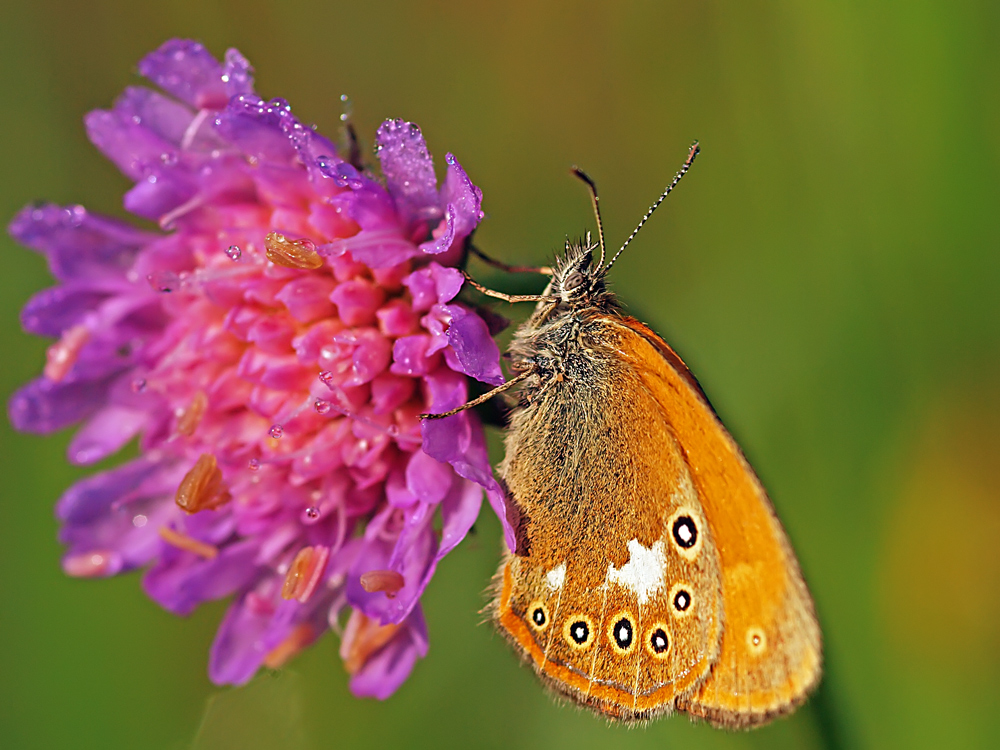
573	281
681	599
579	631
658	641
539	615
621	633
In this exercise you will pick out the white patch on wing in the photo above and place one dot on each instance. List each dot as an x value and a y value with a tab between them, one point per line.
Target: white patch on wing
645	572
556	577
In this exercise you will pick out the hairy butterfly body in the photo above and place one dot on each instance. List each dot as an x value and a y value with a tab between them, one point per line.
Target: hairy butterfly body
651	573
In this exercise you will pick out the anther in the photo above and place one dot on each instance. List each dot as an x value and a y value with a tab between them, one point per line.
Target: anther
183	541
305	572
363	637
302	635
202	487
190	418
292	253
62	355
388	581
89	565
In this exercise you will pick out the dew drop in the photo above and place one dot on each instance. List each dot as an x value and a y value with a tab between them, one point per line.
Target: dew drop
312	512
234	252
321	406
392	430
253	464
138	385
276	431
164	281
326	376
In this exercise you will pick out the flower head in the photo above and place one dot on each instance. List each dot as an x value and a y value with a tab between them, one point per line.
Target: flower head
271	347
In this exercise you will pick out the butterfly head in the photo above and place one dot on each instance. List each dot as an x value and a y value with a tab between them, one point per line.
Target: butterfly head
577	280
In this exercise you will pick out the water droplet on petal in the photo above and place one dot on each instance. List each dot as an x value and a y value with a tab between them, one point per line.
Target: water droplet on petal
138	385
312	512
164	281
234	252
253	464
321	406
276	431
326	376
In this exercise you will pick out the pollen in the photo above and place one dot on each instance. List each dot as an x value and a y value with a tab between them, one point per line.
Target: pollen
184	542
305	572
190	418
202	487
292	253
61	356
388	581
301	636
363	637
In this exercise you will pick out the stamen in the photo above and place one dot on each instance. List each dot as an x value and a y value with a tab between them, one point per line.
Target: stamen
292	253
202	487
189	420
305	572
363	637
61	356
301	636
88	565
184	542
388	581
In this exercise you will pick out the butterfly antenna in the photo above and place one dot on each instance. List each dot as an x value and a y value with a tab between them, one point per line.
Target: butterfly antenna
695	148
597	210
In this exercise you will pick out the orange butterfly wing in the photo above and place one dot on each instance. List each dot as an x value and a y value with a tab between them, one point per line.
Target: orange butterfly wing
770	656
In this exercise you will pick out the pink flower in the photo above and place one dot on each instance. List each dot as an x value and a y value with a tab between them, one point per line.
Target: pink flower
271	348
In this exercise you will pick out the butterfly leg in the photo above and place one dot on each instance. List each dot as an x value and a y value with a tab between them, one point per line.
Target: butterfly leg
510	297
480	399
544	270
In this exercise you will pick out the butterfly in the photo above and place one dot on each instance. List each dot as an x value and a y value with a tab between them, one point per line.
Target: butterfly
650	573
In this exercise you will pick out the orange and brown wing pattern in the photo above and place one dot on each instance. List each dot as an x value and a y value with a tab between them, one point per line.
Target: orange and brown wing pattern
771	651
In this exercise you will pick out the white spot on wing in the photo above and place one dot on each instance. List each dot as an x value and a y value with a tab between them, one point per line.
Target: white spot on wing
645	572
556	577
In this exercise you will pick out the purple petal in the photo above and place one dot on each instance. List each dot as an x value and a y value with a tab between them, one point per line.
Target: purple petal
475	349
408	169
238	649
458	440
427	478
376	248
412	556
105	433
444	235
386	670
79	244
43	406
53	310
466	198
188	71
237	74
94	496
181	580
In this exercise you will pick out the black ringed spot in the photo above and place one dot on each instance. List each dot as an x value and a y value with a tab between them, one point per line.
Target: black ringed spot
682	600
685	532
579	631
659	641
622	633
538	617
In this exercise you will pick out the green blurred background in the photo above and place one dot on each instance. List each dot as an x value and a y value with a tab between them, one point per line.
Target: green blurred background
830	269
